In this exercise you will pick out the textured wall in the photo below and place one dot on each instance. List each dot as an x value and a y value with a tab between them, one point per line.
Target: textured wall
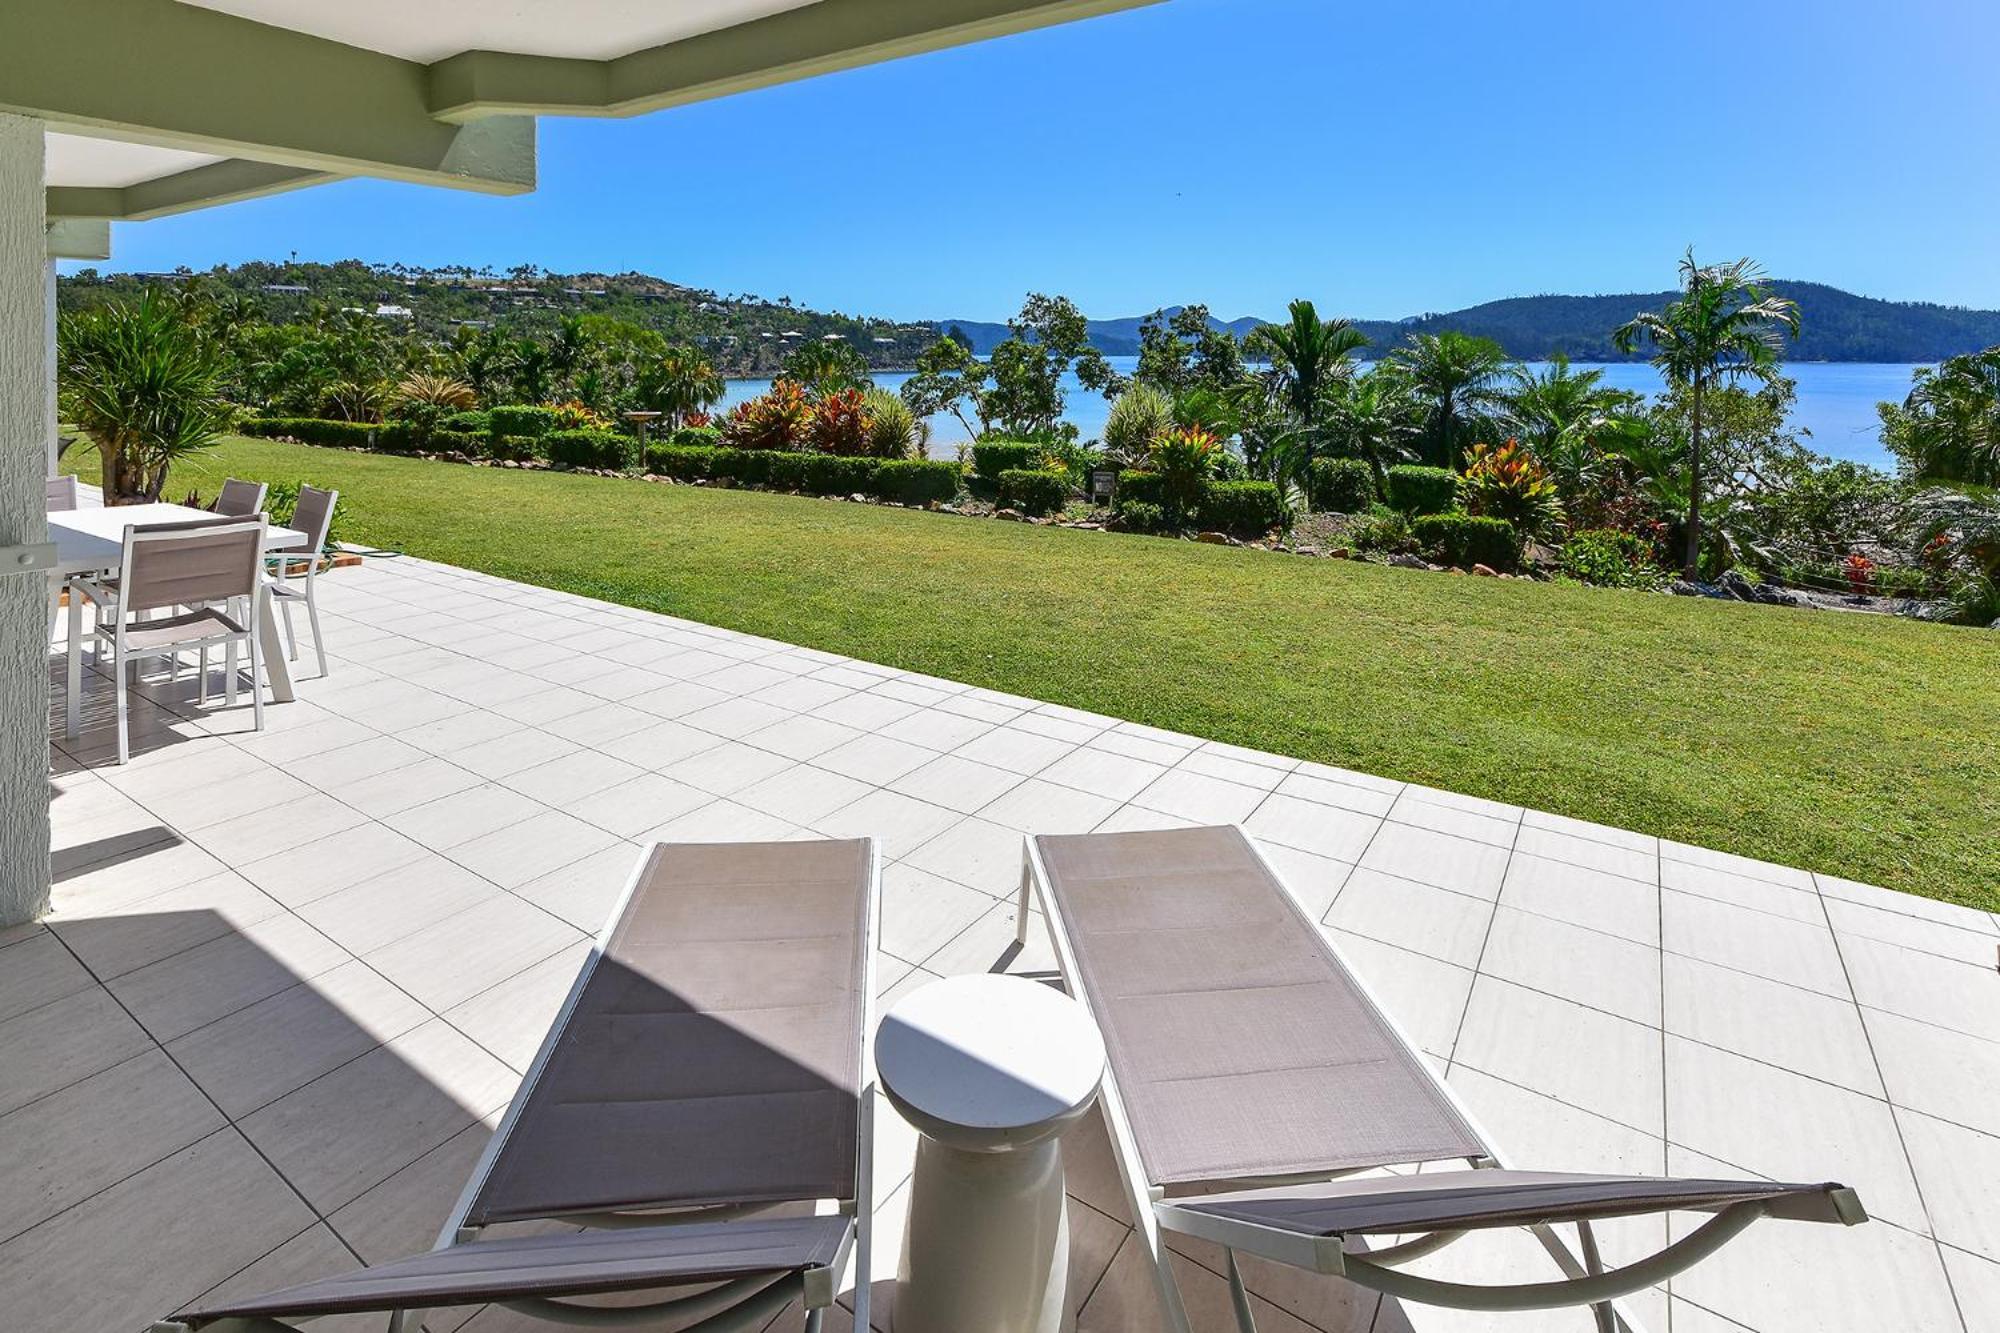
24	686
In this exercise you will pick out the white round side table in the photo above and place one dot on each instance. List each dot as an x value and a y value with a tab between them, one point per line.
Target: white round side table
991	1070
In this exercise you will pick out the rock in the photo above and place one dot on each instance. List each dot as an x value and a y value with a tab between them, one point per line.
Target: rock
1404	560
1486	571
858	498
1213	538
1011	515
1340	553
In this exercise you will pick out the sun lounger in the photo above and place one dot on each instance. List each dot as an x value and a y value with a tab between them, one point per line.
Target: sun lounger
703	1090
1249	1068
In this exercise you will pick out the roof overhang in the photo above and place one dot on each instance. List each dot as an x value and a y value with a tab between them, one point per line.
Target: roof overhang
161	106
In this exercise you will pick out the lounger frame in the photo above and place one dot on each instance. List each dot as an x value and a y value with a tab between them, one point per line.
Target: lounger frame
1153	1212
817	1287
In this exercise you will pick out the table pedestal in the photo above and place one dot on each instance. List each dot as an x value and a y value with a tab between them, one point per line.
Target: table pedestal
986	1247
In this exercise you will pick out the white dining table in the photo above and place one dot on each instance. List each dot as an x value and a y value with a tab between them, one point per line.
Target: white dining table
92	541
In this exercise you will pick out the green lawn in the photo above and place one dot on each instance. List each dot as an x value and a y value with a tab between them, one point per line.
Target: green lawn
1858	746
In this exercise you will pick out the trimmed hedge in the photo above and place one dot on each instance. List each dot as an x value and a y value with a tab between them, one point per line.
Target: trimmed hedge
471	444
587	448
1340	485
910	480
313	430
990	458
513	448
1141	488
1421	490
533	422
915	481
1141	516
1034	491
696	437
468	423
1467	540
1247	508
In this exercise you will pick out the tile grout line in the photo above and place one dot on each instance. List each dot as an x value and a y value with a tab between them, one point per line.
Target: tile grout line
1485	940
1902	1141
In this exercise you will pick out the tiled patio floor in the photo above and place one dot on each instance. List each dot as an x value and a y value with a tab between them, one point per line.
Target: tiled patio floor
291	978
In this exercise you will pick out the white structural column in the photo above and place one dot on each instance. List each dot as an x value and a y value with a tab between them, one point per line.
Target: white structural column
49	360
24	446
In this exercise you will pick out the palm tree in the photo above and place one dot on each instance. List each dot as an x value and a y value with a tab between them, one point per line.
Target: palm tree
570	350
680	382
1377	420
1540	409
1726	327
1456	376
146	386
529	366
1307	354
1948	429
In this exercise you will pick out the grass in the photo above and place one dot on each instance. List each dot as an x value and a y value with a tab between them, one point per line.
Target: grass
1857	746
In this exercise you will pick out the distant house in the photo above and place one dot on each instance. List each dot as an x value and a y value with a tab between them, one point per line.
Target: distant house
885	342
831	338
394	312
791	333
286	289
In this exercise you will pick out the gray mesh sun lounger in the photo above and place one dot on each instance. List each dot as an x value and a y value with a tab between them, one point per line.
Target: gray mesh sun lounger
1250	1071
700	1105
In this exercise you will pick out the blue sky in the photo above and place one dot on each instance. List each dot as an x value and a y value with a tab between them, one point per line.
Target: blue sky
1383	158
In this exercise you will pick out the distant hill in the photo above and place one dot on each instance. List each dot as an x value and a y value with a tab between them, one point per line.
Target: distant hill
1838	326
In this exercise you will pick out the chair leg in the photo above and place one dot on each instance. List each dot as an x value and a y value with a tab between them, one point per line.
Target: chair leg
118	689
256	681
1239	1298
291	634
312	615
229	679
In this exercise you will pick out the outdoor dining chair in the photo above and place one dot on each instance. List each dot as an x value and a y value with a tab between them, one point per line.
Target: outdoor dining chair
313	515
702	1105
240	499
1250	1070
202	581
61	494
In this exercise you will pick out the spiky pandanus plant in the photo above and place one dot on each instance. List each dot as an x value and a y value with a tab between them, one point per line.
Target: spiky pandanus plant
440	392
1138	416
893	429
1726	327
146	386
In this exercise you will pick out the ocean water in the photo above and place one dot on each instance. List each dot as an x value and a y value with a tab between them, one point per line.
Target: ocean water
1835	408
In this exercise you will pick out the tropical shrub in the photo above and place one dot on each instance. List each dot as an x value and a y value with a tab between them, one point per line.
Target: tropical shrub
1141	488
682	462
837	474
313	430
1416	491
1469	539
513	448
1248	508
1229	466
587	448
1509	482
1948	429
1383	530
1139	416
915	481
1141	516
145	385
576	415
779	419
1184	459
1608	558
401	436
892	427
441	393
992	457
533	422
696	437
839	425
467	423
1340	485
1034	491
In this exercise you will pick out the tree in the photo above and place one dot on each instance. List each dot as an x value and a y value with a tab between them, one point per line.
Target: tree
570	350
950	379
827	368
1725	328
1948	428
1456	376
1184	351
529	369
679	382
145	386
1307	354
1050	339
1540	409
